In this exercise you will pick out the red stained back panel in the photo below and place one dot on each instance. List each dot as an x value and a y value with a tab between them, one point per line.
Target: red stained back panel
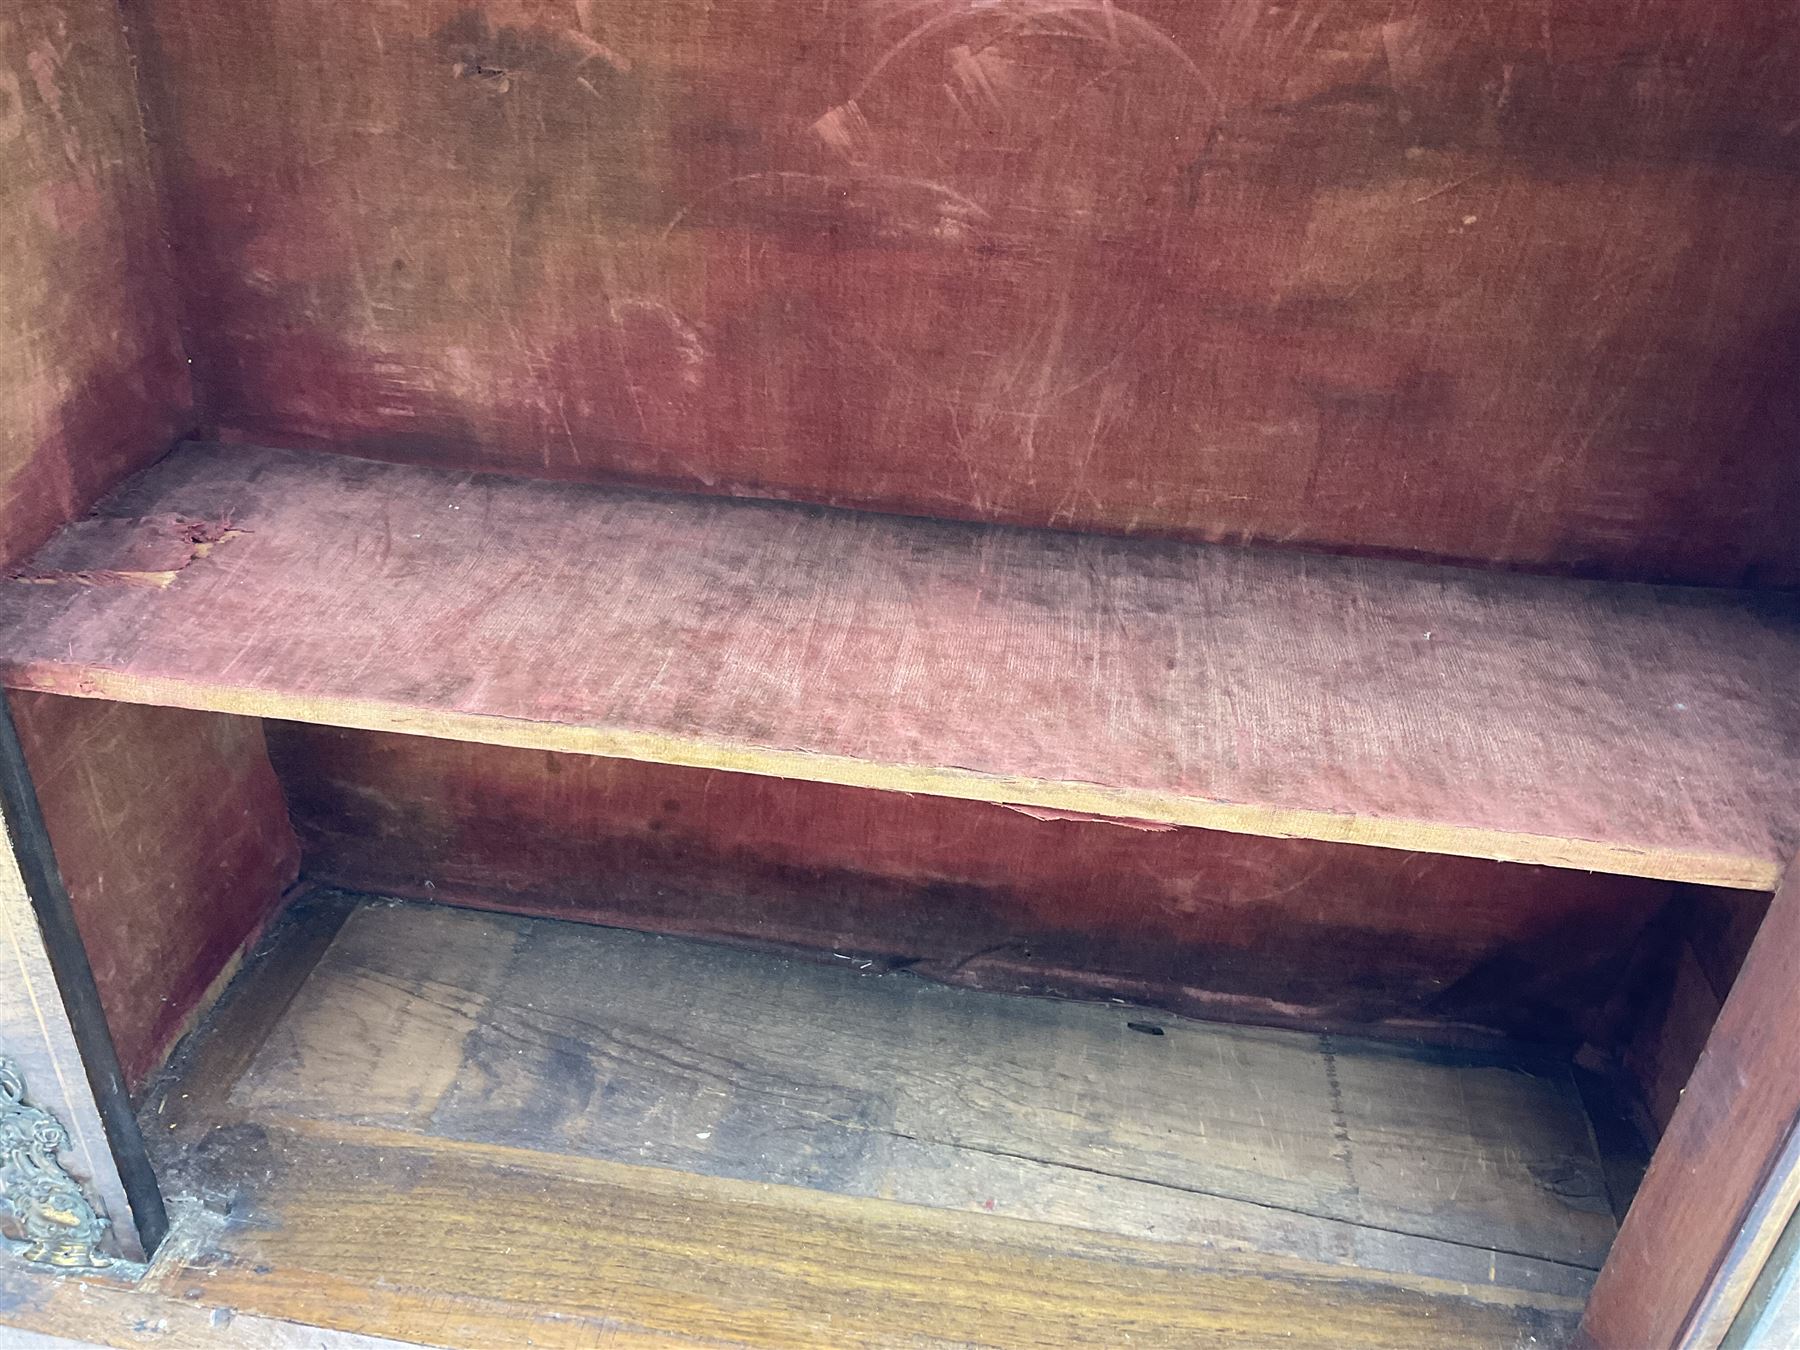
1499	284
1225	925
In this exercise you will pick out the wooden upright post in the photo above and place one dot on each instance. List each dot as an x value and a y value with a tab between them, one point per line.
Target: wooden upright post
1725	1180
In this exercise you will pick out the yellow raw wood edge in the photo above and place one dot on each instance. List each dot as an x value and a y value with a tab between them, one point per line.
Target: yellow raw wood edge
1413	836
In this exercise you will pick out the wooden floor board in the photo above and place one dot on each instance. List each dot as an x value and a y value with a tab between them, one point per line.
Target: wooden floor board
677	1054
384	1240
470	1245
1615	728
45	1312
418	1125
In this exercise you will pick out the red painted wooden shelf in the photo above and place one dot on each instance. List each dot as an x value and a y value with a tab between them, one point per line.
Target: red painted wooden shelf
1631	729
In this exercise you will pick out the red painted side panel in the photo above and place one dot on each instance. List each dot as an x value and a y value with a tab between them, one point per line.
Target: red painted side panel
95	383
173	837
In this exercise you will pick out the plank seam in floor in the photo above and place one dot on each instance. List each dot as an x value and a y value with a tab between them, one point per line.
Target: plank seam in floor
1202	1191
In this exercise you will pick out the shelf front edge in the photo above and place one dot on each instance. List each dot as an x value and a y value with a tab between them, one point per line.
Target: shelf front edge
1414	836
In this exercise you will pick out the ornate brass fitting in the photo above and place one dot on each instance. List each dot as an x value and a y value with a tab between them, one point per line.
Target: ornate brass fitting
61	1229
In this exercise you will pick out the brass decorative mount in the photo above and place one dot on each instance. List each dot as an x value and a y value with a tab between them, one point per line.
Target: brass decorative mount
50	1212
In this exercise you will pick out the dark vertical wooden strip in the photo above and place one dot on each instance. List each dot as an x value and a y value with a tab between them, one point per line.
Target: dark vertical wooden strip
1725	1181
31	845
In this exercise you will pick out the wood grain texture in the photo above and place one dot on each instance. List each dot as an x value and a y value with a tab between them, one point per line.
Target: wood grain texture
96	380
496	1246
298	1224
247	1163
194	1099
598	1043
173	839
1726	1178
45	1312
1369	275
1227	926
1626	729
188	1096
